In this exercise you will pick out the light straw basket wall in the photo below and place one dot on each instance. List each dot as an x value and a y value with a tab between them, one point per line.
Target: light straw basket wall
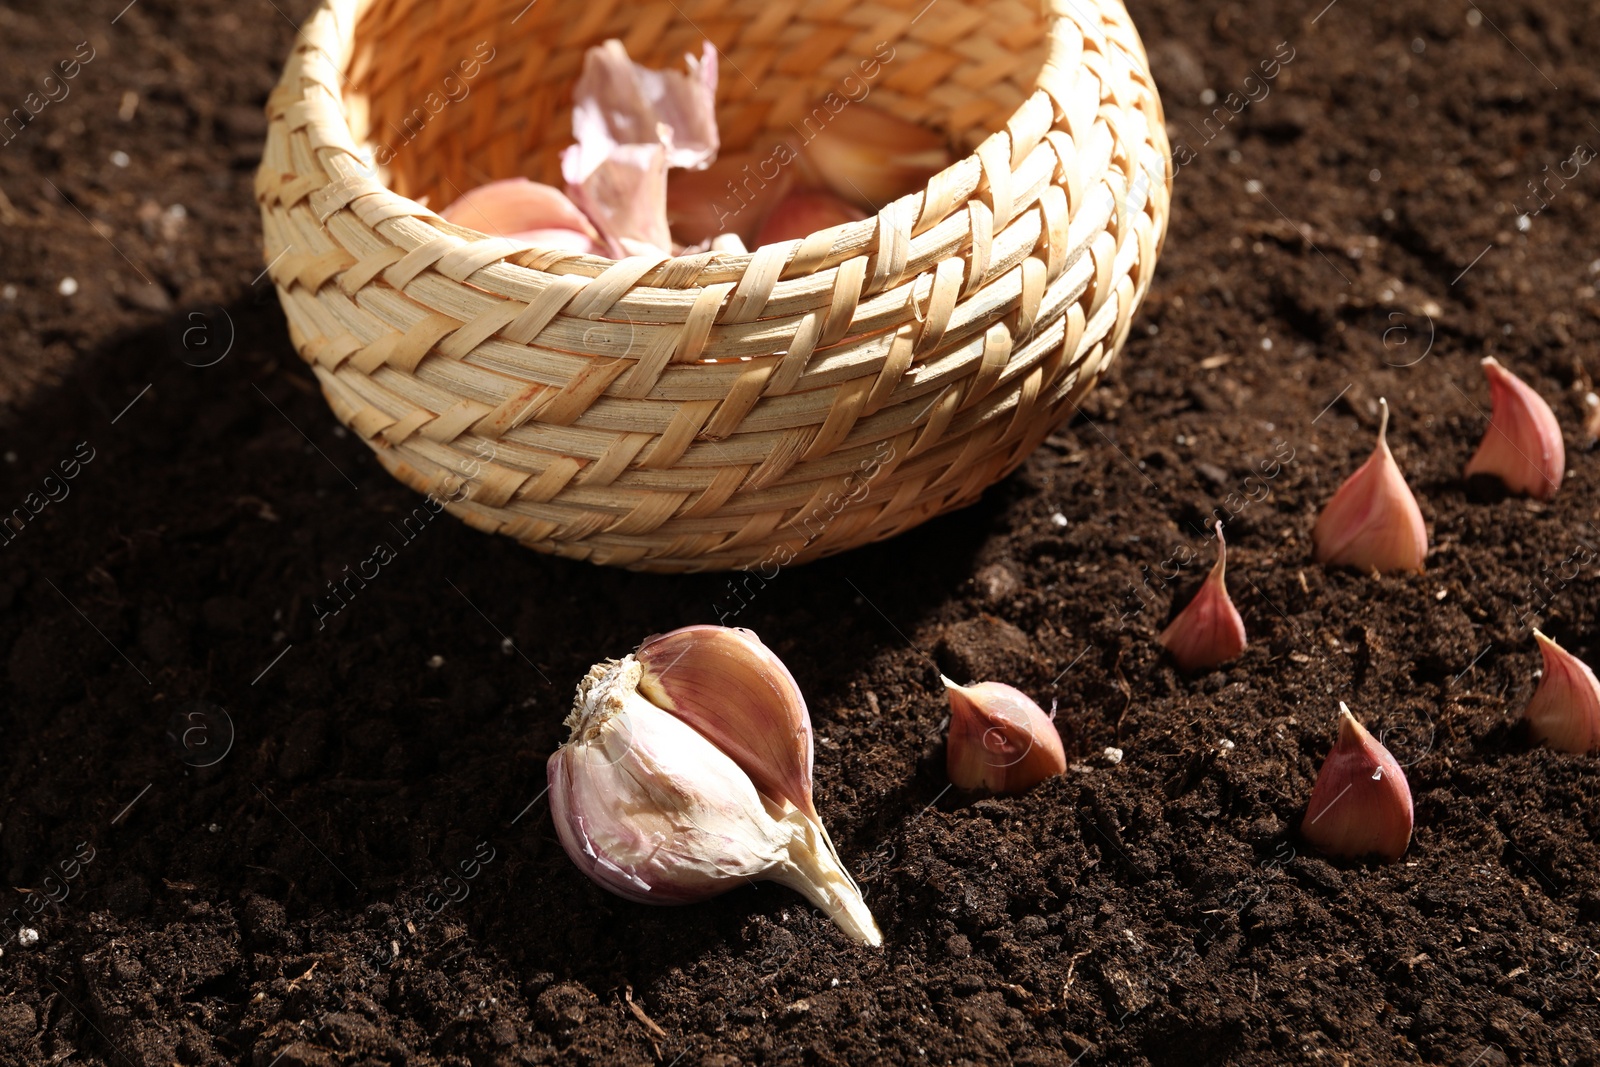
712	410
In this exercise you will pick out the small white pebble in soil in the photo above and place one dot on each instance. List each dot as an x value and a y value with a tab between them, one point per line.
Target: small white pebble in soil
1266	344
1234	155
1113	755
1058	519
213	828
1524	223
1375	174
834	984
1594	268
68	286
10	291
27	936
435	661
1441	594
1388	214
1418	45
1208	96
1225	745
1474	17
119	158
507	645
1252	186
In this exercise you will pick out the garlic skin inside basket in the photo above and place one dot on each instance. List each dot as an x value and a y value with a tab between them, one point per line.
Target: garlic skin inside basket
715	411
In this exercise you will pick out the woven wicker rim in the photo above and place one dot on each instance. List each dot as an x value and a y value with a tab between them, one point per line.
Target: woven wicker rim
717	410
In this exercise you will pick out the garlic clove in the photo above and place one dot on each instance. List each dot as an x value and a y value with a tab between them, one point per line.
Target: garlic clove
1209	631
725	683
516	206
566	240
871	157
1361	804
1373	522
1000	740
655	812
1522	446
1564	713
802	213
734	195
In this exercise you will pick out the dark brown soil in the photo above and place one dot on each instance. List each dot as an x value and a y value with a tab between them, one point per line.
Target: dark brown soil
221	820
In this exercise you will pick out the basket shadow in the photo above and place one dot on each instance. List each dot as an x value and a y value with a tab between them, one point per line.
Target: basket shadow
245	499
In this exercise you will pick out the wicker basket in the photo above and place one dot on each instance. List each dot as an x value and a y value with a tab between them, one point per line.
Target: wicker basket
714	410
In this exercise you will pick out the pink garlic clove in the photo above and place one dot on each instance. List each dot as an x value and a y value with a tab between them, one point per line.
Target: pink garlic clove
1522	446
1564	713
1209	631
1373	522
1361	804
565	240
802	213
1000	740
734	195
729	686
871	157
517	207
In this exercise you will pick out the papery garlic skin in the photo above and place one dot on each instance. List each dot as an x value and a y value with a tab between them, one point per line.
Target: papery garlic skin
1209	631
655	812
1373	522
1564	713
1000	740
1522	446
1361	804
631	124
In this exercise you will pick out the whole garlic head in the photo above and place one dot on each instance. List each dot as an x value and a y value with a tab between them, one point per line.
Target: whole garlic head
654	810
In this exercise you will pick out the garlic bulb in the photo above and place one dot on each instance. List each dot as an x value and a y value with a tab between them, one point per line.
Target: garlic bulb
656	811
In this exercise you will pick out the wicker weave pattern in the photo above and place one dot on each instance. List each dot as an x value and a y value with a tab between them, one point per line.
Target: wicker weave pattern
715	410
